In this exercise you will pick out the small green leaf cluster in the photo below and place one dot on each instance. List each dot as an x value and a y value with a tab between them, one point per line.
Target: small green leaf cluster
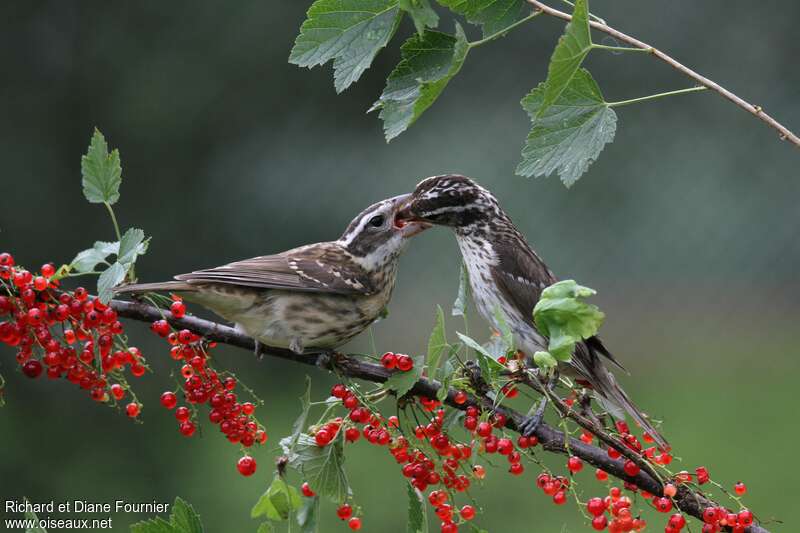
101	177
571	121
563	317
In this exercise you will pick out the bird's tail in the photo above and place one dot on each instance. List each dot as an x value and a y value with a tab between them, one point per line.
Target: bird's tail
605	384
166	286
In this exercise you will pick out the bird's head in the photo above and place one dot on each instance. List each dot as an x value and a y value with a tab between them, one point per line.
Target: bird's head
375	237
449	200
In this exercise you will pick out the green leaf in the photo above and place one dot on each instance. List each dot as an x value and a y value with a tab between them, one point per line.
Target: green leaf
185	518
154	525
421	13
487	362
544	360
476	529
561	315
570	52
417	517
351	32
101	171
506	336
130	246
87	260
493	15
266	527
428	62
437	343
570	134
37	528
110	278
402	382
460	305
300	423
321	466
278	502
307	516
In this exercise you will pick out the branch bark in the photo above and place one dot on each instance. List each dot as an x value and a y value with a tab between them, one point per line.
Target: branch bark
784	133
551	439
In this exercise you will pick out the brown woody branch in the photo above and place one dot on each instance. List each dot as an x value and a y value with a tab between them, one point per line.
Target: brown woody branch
551	439
755	110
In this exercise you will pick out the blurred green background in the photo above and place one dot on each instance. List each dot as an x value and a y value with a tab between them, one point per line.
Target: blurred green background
687	226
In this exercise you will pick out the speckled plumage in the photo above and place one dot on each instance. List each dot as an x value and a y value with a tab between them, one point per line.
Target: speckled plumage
506	274
315	296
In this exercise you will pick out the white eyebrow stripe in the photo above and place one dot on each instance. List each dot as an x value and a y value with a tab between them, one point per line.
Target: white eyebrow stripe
346	240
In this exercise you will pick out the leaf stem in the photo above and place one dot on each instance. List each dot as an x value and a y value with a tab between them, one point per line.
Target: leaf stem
505	30
114	220
619	48
655	96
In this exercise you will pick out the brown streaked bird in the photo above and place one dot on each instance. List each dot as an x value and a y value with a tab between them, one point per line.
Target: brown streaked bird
505	273
315	296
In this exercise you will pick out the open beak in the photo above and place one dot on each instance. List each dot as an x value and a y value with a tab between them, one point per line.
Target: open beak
405	224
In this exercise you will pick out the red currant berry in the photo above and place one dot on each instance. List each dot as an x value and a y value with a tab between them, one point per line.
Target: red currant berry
246	466
560	497
467	512
389	360
631	468
32	369
132	409
745	518
169	400
404	363
178	309
702	475
596	506
344	511
739	488
599	523
354	523
574	464
460	398
323	437
306	490
601	475
117	391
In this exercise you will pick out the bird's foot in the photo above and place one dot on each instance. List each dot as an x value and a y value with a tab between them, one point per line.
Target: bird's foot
258	352
531	422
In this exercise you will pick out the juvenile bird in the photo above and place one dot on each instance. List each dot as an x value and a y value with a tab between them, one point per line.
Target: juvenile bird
505	273
315	296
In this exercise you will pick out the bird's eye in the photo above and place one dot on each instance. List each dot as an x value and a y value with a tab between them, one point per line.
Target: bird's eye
376	221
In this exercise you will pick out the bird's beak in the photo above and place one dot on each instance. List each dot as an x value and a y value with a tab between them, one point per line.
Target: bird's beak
406	225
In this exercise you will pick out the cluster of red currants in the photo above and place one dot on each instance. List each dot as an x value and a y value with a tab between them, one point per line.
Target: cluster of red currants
715	519
204	385
400	361
66	334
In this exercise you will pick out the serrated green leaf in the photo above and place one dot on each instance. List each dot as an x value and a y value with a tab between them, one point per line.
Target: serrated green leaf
101	172
437	344
87	260
570	134
350	32
421	13
417	519
506	336
300	423
154	525
544	360
402	382
31	516
307	516
185	518
110	278
460	305
447	373
487	362
570	52
321	466
266	527
130	246
562	316
278	502
492	15
428	62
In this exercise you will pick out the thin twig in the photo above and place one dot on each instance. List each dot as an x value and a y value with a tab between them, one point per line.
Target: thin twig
757	111
550	438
